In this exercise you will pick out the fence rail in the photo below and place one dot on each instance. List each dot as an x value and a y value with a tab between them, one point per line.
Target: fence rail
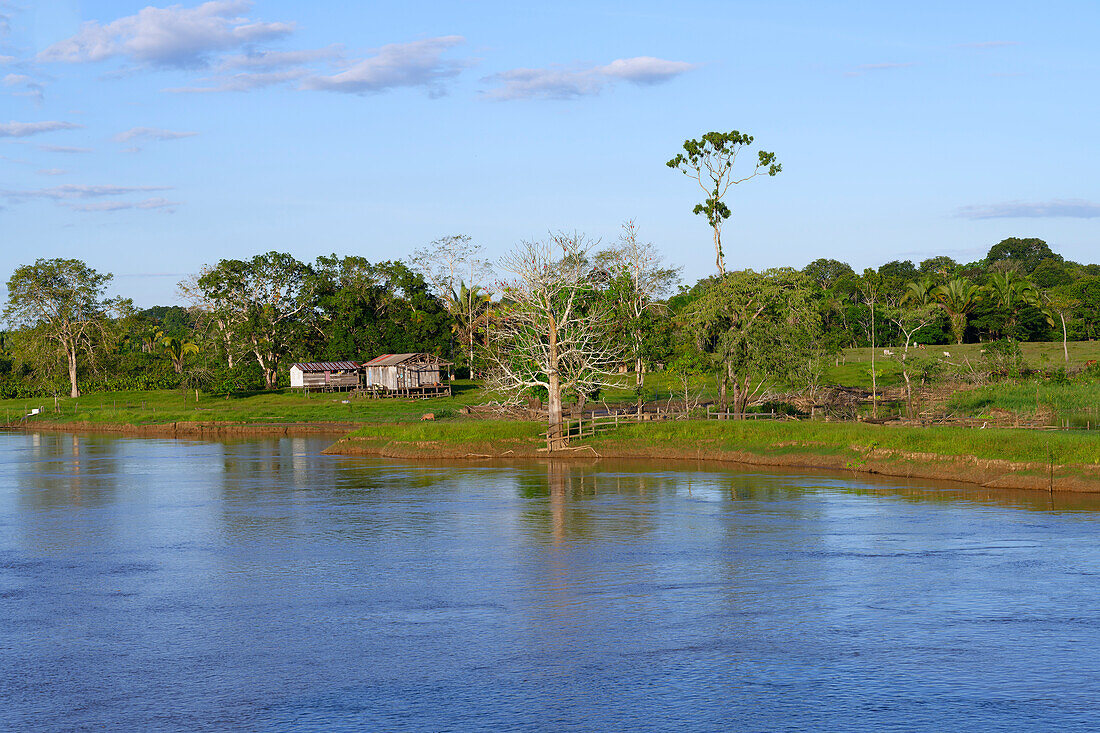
713	414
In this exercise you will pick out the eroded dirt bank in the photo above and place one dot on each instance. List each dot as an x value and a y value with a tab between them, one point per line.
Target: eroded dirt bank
192	429
984	472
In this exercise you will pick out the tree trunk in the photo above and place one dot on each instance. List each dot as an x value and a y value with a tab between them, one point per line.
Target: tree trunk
738	397
874	377
639	382
722	402
555	437
958	325
74	391
719	259
1065	347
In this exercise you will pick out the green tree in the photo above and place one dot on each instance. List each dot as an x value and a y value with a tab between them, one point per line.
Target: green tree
938	268
709	162
958	297
64	300
1010	294
177	350
758	327
825	273
1086	315
470	307
364	309
1029	253
260	304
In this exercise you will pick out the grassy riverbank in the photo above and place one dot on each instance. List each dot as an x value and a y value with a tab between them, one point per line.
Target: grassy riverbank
158	407
995	457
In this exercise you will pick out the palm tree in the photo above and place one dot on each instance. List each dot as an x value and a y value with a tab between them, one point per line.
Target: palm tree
921	292
470	308
177	350
958	298
1011	293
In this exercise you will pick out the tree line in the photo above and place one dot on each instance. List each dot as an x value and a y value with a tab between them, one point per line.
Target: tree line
244	319
556	319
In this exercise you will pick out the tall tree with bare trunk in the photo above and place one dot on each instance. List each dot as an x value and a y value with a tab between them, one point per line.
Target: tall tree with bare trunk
709	162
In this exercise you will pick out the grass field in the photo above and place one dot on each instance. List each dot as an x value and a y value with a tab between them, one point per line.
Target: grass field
854	366
831	438
165	406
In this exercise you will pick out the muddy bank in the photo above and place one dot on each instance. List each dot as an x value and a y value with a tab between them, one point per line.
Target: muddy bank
1000	474
211	430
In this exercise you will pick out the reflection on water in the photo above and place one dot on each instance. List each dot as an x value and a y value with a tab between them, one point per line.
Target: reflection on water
258	585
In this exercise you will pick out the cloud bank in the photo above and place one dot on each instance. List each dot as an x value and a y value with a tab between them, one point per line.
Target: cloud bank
151	133
73	191
23	129
414	64
560	83
147	204
1067	208
174	36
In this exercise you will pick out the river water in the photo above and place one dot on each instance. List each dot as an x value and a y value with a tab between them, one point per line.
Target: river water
258	585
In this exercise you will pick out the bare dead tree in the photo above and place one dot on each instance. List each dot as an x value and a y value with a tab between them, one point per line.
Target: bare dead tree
553	330
459	276
638	280
908	321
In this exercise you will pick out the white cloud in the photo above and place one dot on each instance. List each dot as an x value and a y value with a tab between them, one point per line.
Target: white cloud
561	83
272	60
31	87
51	172
62	149
414	64
7	60
23	129
153	203
78	191
245	81
645	69
545	83
1068	208
171	36
151	133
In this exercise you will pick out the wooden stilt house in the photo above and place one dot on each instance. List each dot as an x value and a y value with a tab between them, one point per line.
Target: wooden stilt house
407	375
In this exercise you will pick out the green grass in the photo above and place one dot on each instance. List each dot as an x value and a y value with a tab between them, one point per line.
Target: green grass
165	406
453	432
842	438
1076	401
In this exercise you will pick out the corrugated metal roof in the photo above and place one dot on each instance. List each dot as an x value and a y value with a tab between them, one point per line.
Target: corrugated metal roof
327	366
389	359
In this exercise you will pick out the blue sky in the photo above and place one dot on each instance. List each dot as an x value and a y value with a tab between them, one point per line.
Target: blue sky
149	140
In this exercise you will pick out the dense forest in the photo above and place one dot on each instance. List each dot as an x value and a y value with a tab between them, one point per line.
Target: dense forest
245	321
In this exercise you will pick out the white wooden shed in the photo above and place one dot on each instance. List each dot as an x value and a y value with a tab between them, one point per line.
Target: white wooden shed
325	375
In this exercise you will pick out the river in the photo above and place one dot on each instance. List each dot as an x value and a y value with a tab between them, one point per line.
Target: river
259	585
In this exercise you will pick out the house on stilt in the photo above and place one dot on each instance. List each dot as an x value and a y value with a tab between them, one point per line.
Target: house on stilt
407	375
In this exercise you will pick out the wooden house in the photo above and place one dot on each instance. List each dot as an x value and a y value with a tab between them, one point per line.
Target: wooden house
325	376
409	375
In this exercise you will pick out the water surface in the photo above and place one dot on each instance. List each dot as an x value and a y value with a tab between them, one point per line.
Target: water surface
258	585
